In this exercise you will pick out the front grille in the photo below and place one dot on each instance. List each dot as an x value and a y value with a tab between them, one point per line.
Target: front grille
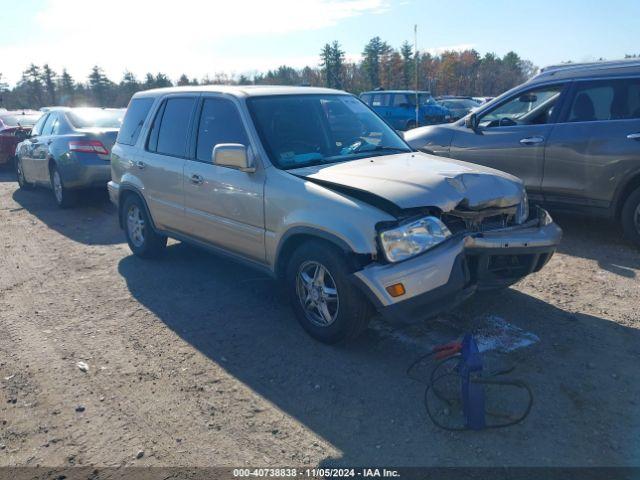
466	221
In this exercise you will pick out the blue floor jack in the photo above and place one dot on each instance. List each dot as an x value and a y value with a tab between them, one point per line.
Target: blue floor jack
469	370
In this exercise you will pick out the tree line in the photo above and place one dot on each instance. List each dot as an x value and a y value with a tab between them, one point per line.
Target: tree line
380	66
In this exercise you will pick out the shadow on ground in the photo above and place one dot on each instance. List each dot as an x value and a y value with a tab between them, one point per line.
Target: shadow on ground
598	240
358	396
93	221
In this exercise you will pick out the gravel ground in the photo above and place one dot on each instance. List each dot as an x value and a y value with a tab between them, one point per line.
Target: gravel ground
195	361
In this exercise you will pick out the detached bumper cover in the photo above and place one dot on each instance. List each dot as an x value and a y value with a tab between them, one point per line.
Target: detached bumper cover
441	278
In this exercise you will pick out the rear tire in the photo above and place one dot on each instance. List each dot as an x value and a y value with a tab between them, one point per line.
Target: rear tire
411	124
630	217
143	241
331	309
22	181
64	197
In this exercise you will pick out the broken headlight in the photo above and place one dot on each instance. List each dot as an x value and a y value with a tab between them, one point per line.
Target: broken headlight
413	238
522	214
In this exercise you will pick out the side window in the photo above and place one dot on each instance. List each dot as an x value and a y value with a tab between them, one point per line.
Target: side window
605	100
171	127
400	100
47	129
55	128
531	107
366	98
37	128
380	100
134	119
220	122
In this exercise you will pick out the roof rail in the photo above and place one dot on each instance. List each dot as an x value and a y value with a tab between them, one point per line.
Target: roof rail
601	64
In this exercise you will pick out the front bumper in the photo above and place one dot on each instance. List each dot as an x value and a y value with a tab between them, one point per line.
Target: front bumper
441	278
114	192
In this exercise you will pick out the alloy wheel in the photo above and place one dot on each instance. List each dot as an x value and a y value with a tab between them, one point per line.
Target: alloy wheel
57	186
135	225
317	293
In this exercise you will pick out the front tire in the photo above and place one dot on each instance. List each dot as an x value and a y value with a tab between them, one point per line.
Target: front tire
143	241
64	197
630	217
22	181
327	305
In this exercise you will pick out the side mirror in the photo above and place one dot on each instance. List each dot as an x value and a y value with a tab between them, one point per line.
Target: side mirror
471	121
232	155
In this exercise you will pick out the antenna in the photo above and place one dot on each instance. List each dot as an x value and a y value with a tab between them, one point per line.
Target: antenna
415	54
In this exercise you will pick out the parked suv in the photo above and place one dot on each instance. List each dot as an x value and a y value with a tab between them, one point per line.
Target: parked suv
311	186
398	108
572	134
67	150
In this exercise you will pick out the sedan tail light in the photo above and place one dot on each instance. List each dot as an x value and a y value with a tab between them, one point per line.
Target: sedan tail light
88	146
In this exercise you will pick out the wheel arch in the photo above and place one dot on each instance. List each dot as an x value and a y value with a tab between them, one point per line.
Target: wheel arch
625	190
127	191
296	236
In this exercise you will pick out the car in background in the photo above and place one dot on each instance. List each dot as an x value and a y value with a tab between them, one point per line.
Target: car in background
572	133
68	149
15	126
459	106
483	100
398	108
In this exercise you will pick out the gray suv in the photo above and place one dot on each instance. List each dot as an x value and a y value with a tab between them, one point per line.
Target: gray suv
572	134
312	187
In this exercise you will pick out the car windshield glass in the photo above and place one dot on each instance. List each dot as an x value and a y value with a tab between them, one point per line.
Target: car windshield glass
304	130
96	117
23	120
423	98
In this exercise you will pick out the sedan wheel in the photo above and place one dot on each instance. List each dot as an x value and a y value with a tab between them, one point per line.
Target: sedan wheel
22	181
65	197
57	186
317	293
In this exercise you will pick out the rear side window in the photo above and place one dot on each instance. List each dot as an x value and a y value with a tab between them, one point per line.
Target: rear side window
366	98
171	127
219	123
616	99
47	129
37	128
133	120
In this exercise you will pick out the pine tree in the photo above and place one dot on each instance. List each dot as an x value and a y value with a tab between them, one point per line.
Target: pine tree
49	80
99	86
67	88
372	56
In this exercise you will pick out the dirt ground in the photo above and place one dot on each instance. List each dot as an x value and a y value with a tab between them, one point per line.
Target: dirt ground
196	361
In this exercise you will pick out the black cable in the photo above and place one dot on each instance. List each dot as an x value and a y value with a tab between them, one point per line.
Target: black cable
433	381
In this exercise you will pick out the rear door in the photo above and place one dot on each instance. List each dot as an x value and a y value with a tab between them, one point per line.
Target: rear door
223	206
512	135
40	159
160	167
27	150
596	144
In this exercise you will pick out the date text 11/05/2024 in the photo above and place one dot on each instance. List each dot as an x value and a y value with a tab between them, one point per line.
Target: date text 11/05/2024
316	472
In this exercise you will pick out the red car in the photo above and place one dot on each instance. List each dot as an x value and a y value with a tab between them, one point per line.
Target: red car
15	126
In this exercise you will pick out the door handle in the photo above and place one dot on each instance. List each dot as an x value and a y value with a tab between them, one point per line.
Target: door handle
141	165
531	140
634	136
196	179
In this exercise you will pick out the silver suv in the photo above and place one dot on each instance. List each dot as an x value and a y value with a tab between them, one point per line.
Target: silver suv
311	186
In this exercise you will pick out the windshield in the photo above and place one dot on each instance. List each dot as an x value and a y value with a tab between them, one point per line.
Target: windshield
303	130
27	120
423	98
96	117
460	104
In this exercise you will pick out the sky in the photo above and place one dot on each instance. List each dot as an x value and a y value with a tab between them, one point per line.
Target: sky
244	36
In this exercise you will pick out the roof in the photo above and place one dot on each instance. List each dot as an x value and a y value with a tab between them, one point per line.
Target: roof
591	69
241	90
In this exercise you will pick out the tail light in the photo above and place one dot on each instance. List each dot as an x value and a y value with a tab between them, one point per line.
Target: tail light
88	146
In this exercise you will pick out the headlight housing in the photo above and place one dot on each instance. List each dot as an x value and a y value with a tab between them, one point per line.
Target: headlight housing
522	214
412	238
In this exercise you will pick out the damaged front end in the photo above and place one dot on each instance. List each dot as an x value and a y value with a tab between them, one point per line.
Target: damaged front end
488	248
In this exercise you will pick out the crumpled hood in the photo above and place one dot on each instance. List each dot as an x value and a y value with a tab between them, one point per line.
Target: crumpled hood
412	180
